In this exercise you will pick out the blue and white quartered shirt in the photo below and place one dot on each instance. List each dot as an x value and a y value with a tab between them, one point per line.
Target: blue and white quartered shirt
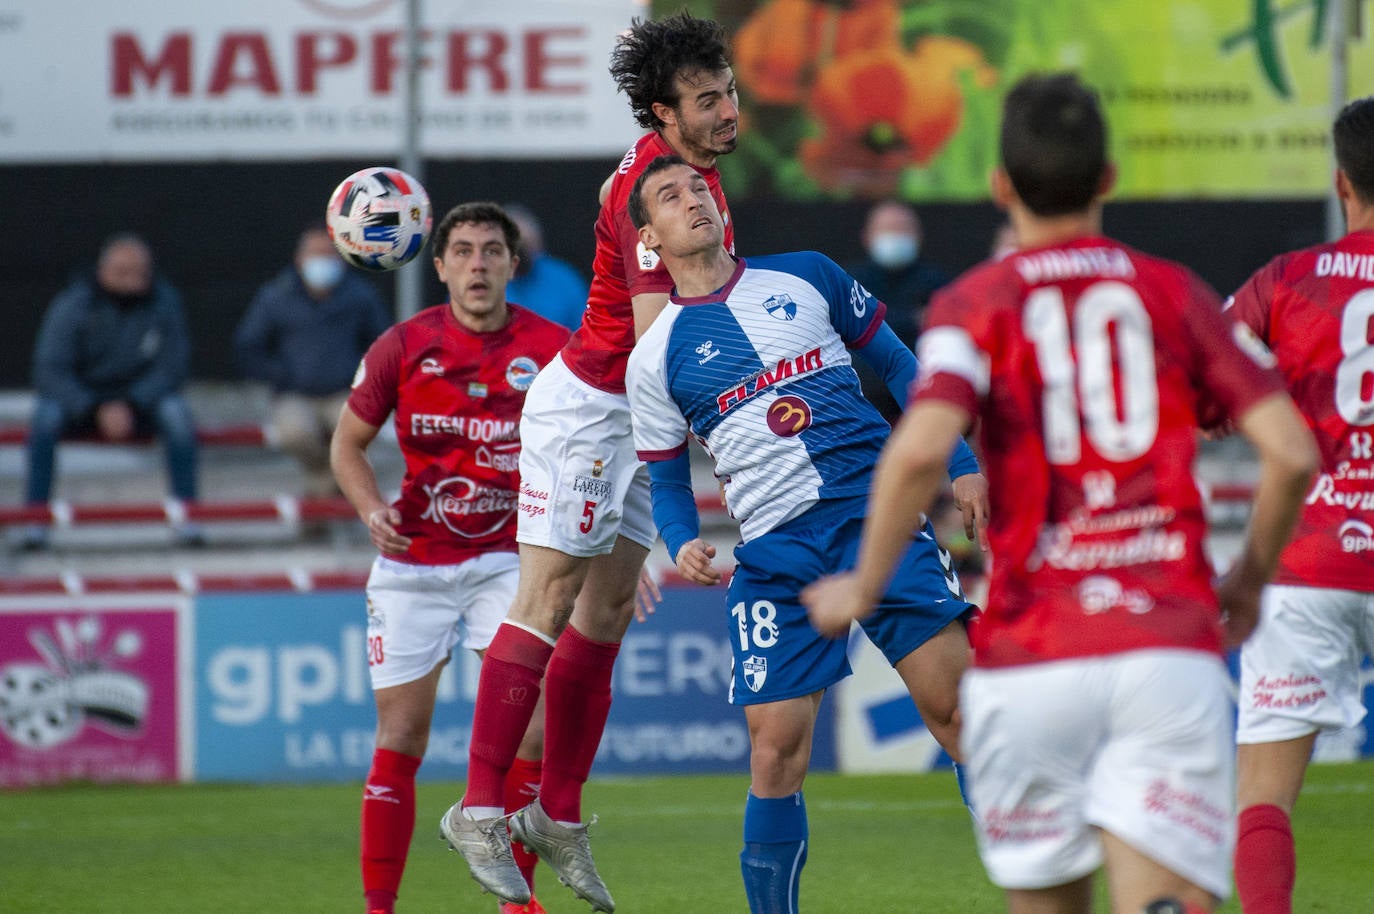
760	373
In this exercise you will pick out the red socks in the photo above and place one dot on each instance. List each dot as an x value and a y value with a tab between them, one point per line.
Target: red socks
1266	861
388	822
506	696
577	701
522	786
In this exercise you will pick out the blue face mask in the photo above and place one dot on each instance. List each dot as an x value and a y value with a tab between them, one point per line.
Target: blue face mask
893	251
322	272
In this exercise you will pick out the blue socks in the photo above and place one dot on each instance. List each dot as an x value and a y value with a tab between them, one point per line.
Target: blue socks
775	840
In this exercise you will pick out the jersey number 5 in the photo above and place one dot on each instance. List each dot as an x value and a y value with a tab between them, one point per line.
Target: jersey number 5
1109	320
588	517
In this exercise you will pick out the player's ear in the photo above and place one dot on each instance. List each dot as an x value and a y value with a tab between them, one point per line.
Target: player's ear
999	183
1343	189
647	237
1108	179
666	114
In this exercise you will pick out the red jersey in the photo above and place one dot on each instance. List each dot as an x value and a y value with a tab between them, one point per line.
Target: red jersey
1087	363
1315	310
622	269
457	397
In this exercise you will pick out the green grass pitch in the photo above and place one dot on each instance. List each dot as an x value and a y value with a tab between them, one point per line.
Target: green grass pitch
885	844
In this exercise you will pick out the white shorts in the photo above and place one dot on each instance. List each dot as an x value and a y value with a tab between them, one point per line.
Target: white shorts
417	613
1300	670
1137	744
581	481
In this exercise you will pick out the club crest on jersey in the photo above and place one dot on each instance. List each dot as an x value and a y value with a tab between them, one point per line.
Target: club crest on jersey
432	366
755	671
521	371
789	416
648	259
781	307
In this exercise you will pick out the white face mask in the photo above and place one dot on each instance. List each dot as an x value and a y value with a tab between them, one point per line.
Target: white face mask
893	251
322	272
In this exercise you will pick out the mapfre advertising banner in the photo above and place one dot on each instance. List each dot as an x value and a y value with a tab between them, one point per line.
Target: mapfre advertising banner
144	80
1206	98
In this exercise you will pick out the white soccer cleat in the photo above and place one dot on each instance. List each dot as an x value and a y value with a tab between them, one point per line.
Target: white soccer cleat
566	850
485	845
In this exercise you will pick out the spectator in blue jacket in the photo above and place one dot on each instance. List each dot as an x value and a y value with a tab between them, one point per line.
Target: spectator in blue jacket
305	334
112	354
549	287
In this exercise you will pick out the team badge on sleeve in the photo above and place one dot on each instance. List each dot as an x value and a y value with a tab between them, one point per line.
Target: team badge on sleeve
648	259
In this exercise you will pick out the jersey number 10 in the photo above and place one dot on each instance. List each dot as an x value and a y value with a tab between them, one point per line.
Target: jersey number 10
1109	315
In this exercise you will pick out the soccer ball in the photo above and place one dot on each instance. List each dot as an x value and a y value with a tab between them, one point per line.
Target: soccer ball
379	218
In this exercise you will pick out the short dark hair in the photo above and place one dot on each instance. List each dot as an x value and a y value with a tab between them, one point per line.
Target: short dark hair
635	206
1054	143
1353	137
649	57
482	213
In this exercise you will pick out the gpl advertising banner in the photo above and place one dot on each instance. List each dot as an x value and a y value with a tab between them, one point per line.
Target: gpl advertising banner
283	693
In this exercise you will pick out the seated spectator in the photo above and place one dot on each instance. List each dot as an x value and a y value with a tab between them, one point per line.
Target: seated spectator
549	287
112	354
305	334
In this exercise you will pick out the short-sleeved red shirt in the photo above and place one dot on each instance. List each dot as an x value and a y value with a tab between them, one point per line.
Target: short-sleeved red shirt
1315	309
1086	364
622	269
456	396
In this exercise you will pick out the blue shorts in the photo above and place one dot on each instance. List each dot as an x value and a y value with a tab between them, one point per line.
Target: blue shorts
777	653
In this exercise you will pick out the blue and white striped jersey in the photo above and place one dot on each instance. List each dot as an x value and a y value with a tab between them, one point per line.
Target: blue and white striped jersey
760	374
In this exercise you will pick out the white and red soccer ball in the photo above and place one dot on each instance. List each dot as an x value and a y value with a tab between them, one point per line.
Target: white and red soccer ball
379	218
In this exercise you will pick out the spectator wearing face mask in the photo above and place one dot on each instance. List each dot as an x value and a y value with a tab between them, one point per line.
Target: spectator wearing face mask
895	273
305	334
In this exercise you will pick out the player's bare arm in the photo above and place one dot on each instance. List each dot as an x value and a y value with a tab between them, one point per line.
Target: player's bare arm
358	481
647	307
1288	459
694	562
907	478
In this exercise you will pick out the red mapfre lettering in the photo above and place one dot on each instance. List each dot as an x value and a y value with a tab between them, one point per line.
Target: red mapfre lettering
244	61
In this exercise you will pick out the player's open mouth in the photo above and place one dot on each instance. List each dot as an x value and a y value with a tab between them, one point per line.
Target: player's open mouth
700	222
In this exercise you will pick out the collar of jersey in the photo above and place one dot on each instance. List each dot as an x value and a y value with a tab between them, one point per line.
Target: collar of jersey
715	297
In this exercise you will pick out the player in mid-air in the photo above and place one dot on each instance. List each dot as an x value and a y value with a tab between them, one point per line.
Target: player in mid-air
585	524
1096	715
455	376
1300	673
750	358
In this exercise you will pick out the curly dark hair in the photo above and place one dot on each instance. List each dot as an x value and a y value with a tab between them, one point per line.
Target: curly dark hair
481	213
648	59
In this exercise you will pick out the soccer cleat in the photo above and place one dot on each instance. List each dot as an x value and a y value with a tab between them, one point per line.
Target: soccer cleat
566	850
485	845
534	907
